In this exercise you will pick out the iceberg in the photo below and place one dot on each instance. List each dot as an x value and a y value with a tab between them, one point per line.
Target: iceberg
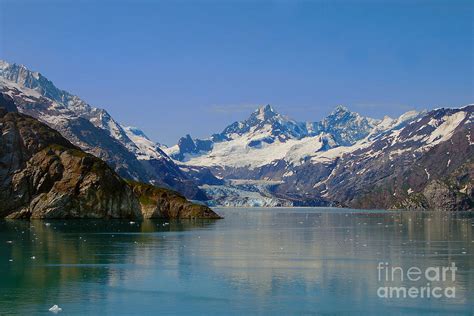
55	309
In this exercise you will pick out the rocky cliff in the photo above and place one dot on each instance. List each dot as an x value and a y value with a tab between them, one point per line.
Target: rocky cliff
162	203
43	175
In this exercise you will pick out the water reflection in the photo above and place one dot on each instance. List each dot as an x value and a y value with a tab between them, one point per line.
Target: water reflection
286	261
44	259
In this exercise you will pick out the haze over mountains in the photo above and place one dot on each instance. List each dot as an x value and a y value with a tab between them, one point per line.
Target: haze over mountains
421	160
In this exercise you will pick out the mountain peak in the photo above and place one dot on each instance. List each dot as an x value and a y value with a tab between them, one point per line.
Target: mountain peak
340	109
341	113
265	112
22	75
4	65
347	127
266	108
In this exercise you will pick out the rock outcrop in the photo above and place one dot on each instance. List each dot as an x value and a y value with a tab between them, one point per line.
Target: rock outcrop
43	175
162	203
455	192
7	105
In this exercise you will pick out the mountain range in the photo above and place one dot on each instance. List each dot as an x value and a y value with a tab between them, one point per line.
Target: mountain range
126	149
420	160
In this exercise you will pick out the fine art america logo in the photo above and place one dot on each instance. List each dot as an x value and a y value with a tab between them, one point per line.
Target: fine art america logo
416	282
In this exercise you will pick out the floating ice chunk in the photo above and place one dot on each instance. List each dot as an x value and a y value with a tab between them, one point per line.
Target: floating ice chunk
55	309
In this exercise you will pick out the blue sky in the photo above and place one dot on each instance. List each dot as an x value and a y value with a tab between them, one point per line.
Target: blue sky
177	67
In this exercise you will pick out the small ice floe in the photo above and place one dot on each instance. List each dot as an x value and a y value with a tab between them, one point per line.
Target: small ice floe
55	309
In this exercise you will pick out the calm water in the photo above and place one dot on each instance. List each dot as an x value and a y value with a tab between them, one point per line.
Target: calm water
265	261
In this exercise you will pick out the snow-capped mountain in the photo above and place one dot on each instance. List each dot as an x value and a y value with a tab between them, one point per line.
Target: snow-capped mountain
263	127
345	159
346	127
268	122
384	170
266	137
127	149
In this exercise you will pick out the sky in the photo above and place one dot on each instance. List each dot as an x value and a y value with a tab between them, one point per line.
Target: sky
178	67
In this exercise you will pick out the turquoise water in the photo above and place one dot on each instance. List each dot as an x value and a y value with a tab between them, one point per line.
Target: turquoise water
255	261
